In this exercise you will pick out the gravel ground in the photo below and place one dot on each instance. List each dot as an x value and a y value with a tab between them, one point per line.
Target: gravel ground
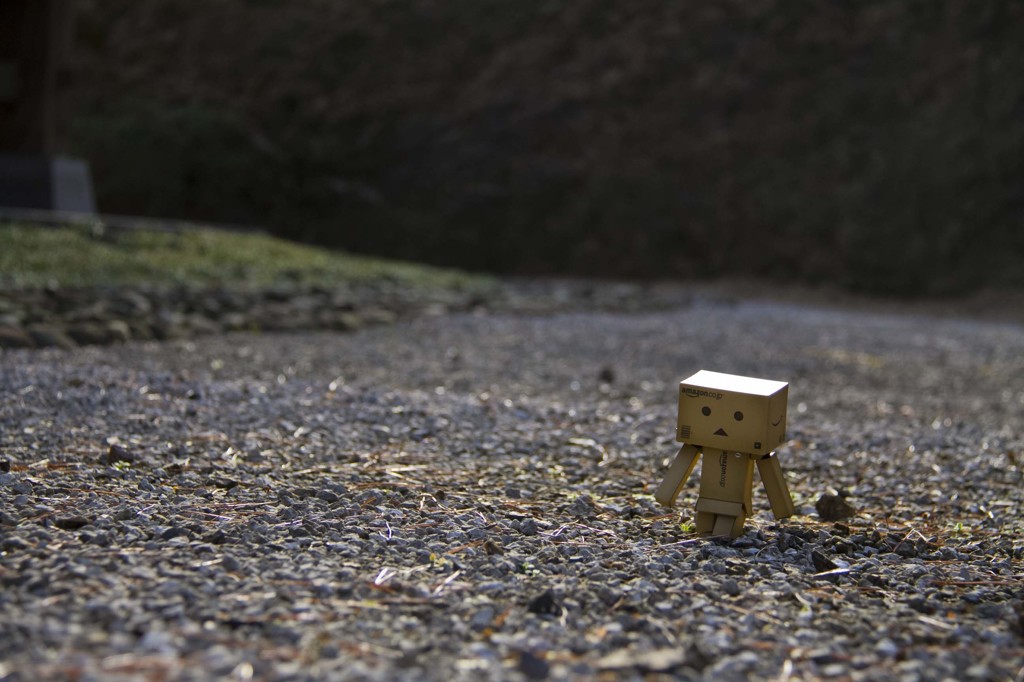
469	496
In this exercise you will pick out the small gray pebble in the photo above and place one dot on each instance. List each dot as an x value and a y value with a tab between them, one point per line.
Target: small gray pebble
328	496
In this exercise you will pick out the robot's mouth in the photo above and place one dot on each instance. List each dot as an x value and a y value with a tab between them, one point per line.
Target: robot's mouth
721	432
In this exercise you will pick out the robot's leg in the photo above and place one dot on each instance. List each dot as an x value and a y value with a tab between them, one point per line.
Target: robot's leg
719	517
729	525
705	523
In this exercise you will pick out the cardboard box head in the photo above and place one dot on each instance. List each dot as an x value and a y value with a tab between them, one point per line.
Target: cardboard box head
731	412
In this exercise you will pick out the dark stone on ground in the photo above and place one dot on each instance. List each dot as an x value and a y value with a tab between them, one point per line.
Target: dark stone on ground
71	522
833	507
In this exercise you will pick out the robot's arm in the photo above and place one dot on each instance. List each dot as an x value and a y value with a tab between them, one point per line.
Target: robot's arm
678	472
775	485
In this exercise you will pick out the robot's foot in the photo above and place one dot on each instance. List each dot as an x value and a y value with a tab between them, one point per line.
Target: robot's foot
720	524
728	525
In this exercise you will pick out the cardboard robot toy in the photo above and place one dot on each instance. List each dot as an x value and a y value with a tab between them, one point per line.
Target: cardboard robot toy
735	422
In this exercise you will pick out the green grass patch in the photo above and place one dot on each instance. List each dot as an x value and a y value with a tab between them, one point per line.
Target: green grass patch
76	256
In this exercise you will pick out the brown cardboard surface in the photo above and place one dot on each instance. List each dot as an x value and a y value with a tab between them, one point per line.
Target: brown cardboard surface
731	412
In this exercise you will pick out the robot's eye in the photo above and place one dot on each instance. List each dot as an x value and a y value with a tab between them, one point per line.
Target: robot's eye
706	411
738	416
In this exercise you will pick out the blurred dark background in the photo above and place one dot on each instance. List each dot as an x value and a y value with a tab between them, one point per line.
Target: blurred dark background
877	145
